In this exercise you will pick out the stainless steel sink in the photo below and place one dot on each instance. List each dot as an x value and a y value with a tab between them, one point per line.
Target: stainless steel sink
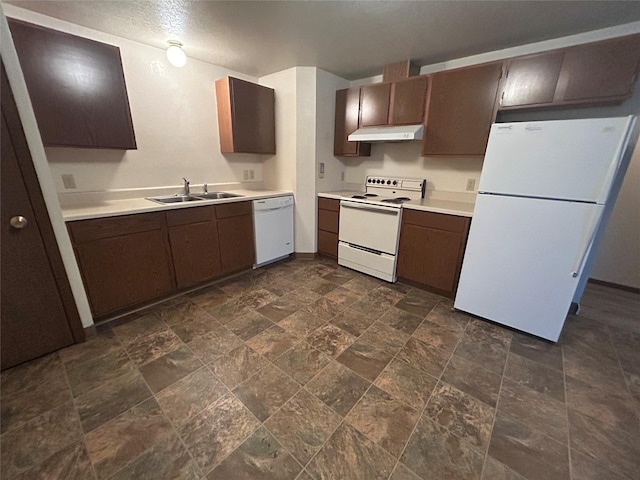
216	195
175	199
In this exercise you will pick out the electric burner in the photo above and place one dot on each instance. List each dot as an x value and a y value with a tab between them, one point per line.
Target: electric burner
370	194
358	196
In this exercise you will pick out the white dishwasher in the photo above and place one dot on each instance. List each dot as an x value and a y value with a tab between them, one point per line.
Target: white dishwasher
273	225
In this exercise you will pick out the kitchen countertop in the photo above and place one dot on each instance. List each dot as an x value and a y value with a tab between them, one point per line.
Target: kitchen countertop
450	203
112	208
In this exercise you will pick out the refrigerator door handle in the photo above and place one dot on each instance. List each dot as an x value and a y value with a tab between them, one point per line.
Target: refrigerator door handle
584	250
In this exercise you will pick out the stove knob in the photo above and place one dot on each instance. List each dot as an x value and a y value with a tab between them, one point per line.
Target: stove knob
395	182
378	181
388	182
368	180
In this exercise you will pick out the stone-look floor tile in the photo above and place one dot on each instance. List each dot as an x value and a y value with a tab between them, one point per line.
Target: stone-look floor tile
494	470
401	472
320	286
110	400
534	409
227	312
339	275
352	322
541	351
94	347
385	338
384	420
593	367
259	457
349	454
342	297
214	344
249	325
445	315
406	383
615	408
439	339
94	373
586	334
266	392
70	463
377	302
148	348
23	401
627	345
163	371
189	396
418	302
615	449
319	269
365	359
17	379
534	375
195	327
361	284
281	286
301	323
303	295
209	297
176	310
272	342
434	453
323	308
400	320
472	379
303	424
236	366
254	299
128	329
633	384
280	308
528	452
485	344
330	340
424	357
30	444
302	362
338	387
166	459
217	431
584	467
464	415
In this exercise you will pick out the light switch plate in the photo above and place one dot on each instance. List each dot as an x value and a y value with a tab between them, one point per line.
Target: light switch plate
471	184
68	181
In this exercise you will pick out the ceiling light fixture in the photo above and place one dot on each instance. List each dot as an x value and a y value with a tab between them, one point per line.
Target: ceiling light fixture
175	54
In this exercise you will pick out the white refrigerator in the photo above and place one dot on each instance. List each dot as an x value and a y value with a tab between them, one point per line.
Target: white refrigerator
541	204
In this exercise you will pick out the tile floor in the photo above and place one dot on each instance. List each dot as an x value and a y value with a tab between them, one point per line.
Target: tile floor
306	370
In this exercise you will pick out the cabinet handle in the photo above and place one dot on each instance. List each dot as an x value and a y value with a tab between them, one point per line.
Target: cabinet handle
18	222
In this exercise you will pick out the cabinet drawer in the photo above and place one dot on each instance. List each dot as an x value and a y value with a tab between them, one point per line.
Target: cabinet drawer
185	216
329	204
233	209
328	220
439	221
83	231
328	243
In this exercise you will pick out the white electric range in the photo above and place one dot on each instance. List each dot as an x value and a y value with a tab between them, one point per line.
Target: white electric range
369	230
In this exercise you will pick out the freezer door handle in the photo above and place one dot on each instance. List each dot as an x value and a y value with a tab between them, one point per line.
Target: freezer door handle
584	250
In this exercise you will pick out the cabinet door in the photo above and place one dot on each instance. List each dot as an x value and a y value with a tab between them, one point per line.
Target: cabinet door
346	122
599	70
196	252
531	80
237	250
460	110
407	101
328	243
253	110
76	86
374	107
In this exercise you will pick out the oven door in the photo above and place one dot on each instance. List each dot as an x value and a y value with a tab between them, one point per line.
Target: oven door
374	227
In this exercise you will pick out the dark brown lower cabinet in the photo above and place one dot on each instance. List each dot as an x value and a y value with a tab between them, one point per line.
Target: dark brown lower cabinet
124	260
431	249
235	233
328	223
38	312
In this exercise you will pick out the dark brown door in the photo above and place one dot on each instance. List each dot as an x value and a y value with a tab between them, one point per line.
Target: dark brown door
374	107
407	101
532	80
346	122
35	318
253	117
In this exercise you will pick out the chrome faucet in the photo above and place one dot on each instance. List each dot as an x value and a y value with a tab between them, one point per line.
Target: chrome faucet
186	186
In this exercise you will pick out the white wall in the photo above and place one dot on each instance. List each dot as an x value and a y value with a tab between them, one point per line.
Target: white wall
174	118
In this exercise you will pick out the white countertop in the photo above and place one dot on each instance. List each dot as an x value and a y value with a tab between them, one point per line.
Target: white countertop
450	203
111	208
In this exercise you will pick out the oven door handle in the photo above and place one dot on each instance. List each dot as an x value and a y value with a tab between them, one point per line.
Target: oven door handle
368	208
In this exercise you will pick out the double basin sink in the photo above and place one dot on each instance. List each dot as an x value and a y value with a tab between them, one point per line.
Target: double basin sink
193	197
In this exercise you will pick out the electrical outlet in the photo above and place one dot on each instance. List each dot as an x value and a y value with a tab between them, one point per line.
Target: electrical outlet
321	171
245	175
252	174
471	184
68	181
342	176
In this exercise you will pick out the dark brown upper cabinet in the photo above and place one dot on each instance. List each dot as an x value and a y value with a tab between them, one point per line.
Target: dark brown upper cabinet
532	79
460	110
374	104
246	117
76	86
407	101
346	122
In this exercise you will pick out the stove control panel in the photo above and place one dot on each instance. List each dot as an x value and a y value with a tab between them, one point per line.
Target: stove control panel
415	184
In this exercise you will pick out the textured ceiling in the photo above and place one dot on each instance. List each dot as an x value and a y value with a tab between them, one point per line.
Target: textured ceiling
352	39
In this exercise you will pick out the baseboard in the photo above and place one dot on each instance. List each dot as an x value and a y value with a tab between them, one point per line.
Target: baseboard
304	256
626	288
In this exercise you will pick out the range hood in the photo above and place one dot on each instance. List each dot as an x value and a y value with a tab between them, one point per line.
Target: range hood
396	133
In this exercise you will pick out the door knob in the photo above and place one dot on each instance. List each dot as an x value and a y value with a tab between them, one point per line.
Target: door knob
18	221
